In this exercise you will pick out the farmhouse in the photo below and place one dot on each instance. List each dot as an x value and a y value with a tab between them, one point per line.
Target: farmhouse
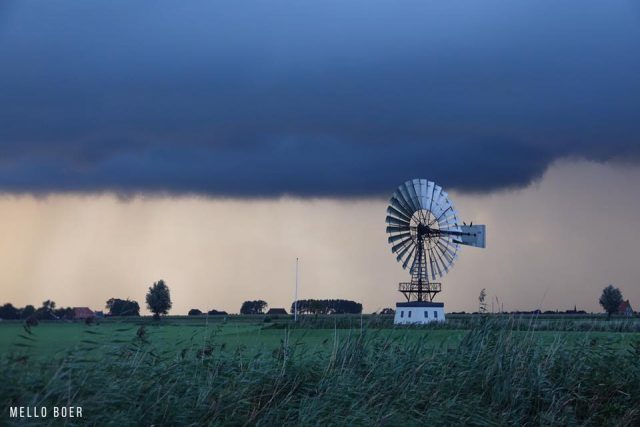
82	313
625	309
274	311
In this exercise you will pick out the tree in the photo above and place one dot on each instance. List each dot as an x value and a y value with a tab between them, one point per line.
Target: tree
194	312
610	300
8	311
388	311
214	312
48	305
27	311
46	311
159	299
121	307
481	299
253	307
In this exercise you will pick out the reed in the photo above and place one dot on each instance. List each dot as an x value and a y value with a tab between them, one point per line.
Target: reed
499	374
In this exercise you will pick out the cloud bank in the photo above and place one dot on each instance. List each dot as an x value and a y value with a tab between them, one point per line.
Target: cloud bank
260	99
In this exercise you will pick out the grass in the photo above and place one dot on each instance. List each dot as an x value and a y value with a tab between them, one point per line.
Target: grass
239	373
54	339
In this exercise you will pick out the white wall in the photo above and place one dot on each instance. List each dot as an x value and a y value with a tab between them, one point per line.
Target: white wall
409	315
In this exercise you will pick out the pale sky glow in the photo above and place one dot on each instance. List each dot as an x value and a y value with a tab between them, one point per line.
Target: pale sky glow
553	244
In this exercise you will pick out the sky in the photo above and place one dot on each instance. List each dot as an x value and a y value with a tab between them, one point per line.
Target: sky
210	143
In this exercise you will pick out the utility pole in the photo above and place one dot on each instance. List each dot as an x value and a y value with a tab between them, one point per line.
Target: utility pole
295	301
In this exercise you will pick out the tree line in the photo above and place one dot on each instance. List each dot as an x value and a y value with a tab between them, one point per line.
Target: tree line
213	312
48	310
307	306
158	301
327	306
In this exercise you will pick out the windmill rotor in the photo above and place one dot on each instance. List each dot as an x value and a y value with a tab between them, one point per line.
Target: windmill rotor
425	235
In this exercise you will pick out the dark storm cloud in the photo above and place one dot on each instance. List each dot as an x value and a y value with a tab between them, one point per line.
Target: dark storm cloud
251	98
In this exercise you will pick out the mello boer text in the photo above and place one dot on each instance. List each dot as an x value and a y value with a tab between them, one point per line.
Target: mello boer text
44	412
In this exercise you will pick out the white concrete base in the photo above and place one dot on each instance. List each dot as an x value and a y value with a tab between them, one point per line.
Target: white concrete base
418	312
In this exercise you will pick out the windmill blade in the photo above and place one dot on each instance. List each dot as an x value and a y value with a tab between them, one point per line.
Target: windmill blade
448	258
408	209
400	200
435	210
396	221
412	194
435	261
445	213
399	206
430	186
420	197
406	261
393	211
441	203
397	228
400	245
449	244
403	197
450	227
433	271
406	198
451	258
448	252
424	195
449	219
429	265
403	252
442	262
397	237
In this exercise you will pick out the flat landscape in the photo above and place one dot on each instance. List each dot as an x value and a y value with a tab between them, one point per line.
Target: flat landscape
238	370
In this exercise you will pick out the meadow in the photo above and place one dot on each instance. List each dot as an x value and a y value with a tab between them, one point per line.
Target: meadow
327	370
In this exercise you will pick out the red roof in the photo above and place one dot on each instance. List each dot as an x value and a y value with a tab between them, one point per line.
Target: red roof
624	307
82	312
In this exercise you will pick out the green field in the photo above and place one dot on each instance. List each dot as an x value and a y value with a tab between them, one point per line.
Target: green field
327	370
56	339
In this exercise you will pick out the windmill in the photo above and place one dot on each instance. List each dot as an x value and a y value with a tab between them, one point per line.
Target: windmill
425	235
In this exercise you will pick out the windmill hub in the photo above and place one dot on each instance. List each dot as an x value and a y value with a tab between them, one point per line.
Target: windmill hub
423	230
425	235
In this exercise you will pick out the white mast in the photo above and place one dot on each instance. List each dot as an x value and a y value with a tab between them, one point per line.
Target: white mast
295	301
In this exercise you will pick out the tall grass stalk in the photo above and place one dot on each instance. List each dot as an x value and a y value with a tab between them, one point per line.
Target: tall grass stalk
500	374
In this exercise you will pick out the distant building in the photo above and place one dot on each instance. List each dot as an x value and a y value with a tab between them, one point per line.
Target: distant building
274	311
83	313
625	309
